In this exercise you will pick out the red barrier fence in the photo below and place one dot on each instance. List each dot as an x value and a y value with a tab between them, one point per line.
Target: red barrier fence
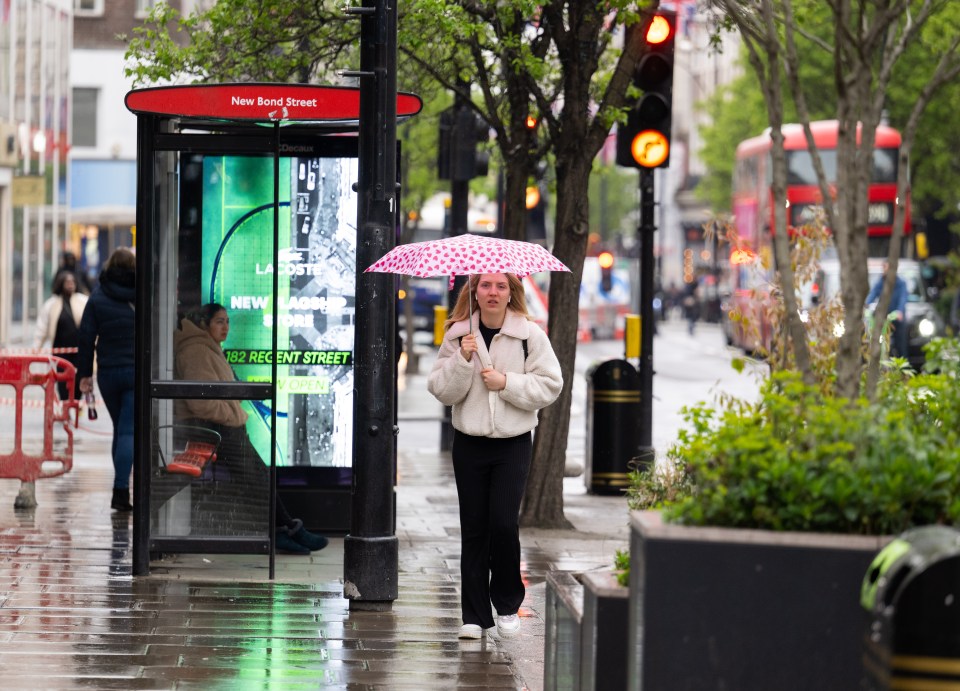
45	371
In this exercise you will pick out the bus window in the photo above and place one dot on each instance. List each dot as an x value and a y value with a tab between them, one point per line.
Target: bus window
800	170
885	165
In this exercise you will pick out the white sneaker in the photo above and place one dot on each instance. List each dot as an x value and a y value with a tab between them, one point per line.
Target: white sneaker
470	631
508	626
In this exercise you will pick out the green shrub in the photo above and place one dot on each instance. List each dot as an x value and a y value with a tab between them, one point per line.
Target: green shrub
797	459
621	564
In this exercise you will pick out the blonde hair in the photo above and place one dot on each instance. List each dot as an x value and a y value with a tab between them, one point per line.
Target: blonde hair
461	310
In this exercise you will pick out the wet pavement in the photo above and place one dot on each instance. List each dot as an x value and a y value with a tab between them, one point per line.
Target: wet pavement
73	616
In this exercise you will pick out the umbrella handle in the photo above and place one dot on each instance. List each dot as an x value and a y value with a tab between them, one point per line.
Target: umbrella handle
470	302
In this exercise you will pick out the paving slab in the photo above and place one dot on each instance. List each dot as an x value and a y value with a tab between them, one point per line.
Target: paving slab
73	616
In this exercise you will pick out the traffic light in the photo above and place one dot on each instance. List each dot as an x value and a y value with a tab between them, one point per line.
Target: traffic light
536	203
470	130
644	140
461	129
448	119
532	124
605	260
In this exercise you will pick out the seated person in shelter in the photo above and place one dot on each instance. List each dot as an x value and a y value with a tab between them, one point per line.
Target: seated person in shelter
199	356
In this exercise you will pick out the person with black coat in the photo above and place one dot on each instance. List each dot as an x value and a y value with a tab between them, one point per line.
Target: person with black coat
59	324
108	329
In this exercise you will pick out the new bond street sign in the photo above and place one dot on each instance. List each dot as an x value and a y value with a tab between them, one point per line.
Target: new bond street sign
260	102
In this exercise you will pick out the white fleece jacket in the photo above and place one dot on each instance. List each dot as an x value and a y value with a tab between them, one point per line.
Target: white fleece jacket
49	316
532	384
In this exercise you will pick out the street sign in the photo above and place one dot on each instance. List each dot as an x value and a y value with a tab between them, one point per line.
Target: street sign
29	190
256	101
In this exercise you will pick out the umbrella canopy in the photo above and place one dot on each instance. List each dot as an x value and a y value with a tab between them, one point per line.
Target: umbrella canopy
463	255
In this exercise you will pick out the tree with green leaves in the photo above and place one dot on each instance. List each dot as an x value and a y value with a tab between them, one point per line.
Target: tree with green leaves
865	43
737	111
558	61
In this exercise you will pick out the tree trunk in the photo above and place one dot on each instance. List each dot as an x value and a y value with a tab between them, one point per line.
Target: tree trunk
576	137
543	504
513	207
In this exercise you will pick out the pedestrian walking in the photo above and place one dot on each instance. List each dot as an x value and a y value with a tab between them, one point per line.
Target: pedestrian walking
107	330
496	369
896	311
69	264
198	356
58	323
691	305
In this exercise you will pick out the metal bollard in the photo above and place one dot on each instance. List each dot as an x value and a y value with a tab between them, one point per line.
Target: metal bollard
613	432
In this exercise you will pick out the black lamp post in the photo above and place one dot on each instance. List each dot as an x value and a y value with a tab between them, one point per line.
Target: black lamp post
370	551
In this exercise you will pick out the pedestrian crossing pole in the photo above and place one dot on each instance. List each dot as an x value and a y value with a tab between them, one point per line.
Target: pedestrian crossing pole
459	165
645	235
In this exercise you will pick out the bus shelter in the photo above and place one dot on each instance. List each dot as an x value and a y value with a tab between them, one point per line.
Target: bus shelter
247	200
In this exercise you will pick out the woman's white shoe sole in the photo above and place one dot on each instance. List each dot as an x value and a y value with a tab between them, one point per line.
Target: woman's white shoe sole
471	631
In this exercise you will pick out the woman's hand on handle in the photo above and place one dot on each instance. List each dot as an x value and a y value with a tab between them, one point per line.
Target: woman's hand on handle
468	346
86	385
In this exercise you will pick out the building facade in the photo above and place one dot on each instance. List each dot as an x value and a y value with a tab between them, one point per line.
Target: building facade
103	161
699	71
67	145
35	42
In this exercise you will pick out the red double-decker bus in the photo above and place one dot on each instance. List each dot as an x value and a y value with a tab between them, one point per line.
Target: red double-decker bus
751	260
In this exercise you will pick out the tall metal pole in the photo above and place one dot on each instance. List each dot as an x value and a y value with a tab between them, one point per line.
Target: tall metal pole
370	551
459	213
645	238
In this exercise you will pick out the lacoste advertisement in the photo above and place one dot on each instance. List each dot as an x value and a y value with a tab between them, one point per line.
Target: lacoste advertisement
316	295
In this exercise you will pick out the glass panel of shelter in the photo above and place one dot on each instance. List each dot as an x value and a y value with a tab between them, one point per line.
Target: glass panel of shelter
208	481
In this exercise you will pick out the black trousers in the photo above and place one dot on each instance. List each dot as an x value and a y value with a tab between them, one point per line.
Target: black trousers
491	477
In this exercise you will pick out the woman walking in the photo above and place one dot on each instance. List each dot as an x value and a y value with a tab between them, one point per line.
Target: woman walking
108	329
496	383
59	324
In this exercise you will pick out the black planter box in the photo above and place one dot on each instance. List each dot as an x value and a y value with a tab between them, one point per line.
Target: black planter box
603	632
717	608
586	632
564	614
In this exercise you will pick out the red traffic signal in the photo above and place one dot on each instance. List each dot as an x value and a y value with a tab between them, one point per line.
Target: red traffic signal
644	140
659	30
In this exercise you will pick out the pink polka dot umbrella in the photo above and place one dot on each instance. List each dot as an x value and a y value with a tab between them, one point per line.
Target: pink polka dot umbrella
462	255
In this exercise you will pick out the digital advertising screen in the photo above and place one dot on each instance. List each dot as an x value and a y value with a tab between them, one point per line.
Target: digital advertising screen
316	296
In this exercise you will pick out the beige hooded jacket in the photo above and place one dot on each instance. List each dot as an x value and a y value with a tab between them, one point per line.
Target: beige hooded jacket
197	357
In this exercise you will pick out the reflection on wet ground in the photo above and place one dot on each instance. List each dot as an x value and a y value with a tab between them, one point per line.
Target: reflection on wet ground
72	615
